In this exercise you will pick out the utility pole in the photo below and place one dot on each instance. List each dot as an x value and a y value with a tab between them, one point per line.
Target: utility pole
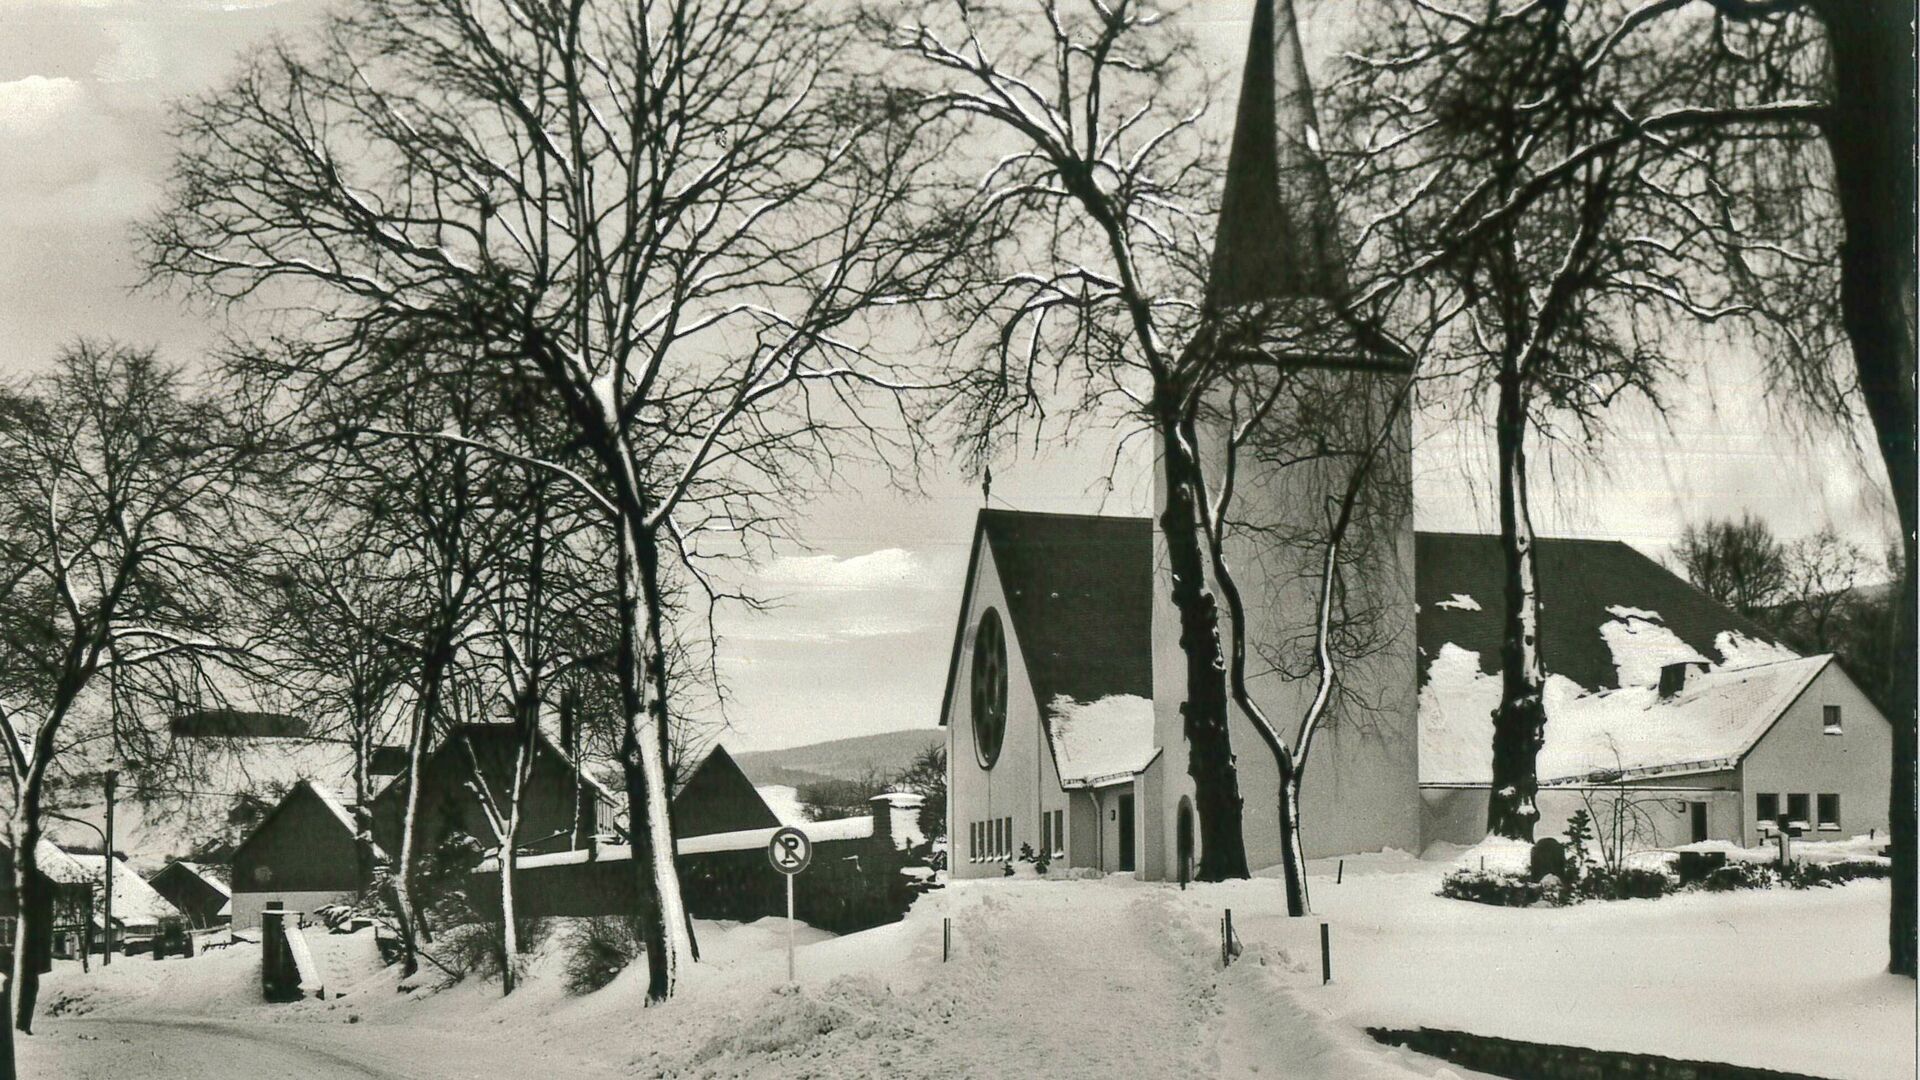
106	918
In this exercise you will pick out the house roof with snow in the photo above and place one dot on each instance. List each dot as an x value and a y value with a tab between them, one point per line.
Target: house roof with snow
1079	592
1100	742
1609	616
135	903
1707	726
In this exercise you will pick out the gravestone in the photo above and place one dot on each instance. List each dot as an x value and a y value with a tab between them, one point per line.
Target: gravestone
1549	856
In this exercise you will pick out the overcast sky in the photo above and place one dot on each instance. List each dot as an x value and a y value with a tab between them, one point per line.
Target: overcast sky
860	642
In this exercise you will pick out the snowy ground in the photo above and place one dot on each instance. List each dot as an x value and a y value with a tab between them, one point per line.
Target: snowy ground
1066	979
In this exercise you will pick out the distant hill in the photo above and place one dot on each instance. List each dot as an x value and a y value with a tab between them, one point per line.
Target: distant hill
841	759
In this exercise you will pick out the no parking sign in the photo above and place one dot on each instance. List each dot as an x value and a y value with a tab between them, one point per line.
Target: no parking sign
789	850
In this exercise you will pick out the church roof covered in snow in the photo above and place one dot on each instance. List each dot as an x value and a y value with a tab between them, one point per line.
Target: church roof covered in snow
1609	616
1100	741
1706	726
1079	594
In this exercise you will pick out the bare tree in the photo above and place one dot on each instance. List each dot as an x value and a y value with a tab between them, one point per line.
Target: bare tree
1110	182
681	221
119	495
1555	187
1738	563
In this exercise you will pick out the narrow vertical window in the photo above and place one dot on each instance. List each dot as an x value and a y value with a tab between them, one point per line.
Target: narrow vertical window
1830	719
1829	807
1797	810
1046	832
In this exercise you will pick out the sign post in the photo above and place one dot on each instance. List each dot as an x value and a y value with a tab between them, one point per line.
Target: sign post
789	851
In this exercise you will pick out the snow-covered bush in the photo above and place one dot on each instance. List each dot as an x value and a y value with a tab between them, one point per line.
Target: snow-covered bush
1841	872
1626	883
1039	860
599	949
1741	875
1492	887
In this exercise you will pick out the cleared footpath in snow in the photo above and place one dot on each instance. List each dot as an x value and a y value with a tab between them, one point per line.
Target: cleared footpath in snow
1048	978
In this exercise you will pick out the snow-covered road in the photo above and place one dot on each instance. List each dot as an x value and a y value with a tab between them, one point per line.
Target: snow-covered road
177	1048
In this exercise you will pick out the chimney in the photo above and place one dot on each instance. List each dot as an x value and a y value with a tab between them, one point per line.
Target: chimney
1674	676
896	818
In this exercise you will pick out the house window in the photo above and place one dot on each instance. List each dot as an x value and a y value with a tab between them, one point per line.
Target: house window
1059	832
1006	839
1829	806
1766	808
973	842
1046	832
1830	718
1797	809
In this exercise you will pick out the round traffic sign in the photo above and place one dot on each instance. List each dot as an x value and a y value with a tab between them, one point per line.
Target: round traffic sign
789	850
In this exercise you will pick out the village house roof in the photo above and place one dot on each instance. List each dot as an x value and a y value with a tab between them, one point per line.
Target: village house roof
1707	726
1079	592
135	903
336	808
1609	616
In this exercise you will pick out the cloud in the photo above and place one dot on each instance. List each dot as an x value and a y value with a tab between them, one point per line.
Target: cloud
36	103
887	568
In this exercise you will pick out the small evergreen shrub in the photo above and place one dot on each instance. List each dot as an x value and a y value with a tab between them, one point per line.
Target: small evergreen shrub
1039	860
1492	887
599	949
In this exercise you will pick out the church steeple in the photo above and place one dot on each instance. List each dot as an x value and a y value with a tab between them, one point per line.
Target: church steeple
1277	238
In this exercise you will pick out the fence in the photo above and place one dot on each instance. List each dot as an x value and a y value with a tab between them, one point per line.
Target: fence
855	881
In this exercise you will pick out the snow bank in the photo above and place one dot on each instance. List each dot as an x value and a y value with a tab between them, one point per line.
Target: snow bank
1777	979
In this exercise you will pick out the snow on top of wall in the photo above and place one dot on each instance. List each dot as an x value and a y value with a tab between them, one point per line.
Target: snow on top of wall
1642	644
1714	720
135	903
1737	650
1460	602
1100	740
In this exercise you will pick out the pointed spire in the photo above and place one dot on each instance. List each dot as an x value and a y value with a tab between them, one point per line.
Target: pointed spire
1277	237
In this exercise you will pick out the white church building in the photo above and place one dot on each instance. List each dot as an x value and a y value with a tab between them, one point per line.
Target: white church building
1066	679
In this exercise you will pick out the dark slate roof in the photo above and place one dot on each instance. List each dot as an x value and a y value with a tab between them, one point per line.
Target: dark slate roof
716	797
1579	580
1080	597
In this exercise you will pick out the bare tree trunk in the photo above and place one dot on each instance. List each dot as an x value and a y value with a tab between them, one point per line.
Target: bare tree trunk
363	858
1216	782
664	925
405	910
509	939
25	834
1519	724
1871	137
